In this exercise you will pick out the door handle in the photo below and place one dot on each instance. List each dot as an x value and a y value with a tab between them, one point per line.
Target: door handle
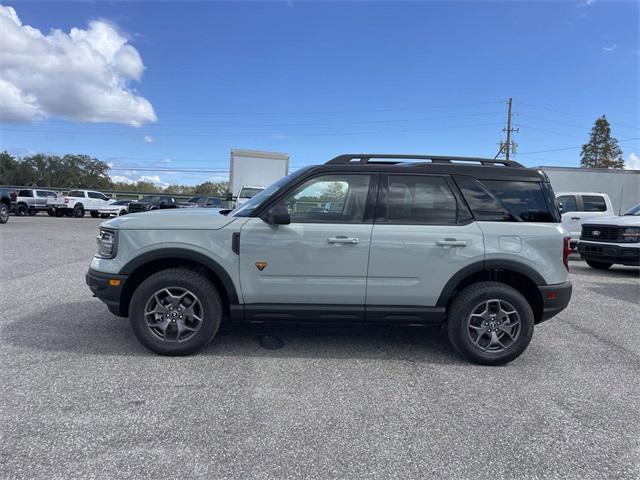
451	242
341	239
575	218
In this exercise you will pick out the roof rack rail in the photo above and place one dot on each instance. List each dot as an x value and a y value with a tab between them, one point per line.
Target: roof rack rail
368	158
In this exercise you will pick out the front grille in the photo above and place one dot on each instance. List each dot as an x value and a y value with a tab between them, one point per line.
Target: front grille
601	233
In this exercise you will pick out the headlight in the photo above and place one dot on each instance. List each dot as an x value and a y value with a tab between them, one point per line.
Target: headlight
631	234
107	243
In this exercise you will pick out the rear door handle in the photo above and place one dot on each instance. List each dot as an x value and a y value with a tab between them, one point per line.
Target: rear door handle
575	218
451	242
340	239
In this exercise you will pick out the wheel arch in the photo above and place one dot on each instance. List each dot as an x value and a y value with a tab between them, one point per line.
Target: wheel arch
521	277
149	263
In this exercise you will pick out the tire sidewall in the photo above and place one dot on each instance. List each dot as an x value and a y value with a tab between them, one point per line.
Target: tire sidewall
21	210
4	213
458	329
78	211
201	287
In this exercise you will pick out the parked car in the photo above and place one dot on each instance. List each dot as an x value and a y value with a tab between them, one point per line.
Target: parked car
579	207
193	202
202	201
76	202
8	197
475	245
612	240
117	208
152	202
32	200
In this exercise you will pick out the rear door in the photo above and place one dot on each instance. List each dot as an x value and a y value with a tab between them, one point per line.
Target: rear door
423	234
321	257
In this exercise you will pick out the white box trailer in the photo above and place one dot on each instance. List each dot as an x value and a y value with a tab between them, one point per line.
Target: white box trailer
253	170
622	186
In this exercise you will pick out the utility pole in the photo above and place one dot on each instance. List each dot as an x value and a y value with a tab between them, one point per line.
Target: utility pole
508	146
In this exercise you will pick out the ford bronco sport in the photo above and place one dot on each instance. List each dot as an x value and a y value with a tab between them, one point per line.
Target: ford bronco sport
473	244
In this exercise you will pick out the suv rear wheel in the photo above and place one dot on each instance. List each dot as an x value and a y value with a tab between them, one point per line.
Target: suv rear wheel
490	323
598	265
4	213
175	312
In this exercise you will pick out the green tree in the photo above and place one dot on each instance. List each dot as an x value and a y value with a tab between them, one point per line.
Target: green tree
212	188
603	150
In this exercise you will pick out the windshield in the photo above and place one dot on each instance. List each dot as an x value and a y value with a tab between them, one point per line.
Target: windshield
247	209
249	192
633	211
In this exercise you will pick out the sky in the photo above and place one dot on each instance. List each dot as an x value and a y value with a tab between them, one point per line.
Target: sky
154	88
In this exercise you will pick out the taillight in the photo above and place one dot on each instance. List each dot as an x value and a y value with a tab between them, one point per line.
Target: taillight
566	251
14	196
66	200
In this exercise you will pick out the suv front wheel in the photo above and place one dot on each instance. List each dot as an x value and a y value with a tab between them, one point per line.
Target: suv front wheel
175	312
490	323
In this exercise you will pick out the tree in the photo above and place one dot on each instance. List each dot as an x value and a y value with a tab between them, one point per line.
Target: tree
603	150
211	188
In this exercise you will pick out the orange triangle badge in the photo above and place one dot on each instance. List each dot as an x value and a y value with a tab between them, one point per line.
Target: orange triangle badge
261	265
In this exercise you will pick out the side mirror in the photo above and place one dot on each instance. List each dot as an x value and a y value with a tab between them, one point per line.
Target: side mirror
277	215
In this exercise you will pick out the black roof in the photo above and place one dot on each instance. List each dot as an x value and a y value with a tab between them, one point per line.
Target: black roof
482	168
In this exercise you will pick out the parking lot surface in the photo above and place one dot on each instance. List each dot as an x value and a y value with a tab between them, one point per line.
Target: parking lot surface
81	398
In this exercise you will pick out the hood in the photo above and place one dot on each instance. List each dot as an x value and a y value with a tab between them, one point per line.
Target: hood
621	221
172	219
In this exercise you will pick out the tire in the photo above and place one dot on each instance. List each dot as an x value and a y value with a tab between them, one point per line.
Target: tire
51	212
122	212
4	213
176	281
32	212
94	214
58	212
469	332
78	211
104	215
21	210
598	265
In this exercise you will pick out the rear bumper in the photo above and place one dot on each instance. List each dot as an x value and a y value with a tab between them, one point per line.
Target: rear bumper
555	298
110	295
608	253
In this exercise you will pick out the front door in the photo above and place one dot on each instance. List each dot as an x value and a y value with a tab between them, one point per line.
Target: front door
319	259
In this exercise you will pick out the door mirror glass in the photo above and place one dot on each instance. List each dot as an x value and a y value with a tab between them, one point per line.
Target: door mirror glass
277	215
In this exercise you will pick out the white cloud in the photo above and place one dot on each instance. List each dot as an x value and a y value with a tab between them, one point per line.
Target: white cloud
132	178
632	162
149	139
610	49
586	3
83	75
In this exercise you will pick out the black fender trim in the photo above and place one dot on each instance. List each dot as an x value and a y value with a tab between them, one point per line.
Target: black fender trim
181	253
488	265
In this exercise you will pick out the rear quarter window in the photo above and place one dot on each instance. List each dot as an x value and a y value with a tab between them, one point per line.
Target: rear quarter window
526	201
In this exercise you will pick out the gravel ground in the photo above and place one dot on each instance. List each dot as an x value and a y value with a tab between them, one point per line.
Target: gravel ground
82	399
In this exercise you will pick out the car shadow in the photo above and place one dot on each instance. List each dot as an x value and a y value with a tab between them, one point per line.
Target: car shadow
86	328
615	271
625	292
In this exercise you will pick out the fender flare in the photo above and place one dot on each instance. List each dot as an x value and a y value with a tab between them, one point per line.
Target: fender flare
460	275
183	253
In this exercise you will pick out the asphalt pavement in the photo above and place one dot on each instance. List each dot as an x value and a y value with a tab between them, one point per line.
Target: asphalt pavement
81	398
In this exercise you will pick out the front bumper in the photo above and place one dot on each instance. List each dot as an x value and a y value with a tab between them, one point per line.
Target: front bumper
555	298
610	253
111	295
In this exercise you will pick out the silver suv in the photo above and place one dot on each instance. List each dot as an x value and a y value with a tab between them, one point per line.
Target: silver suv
474	244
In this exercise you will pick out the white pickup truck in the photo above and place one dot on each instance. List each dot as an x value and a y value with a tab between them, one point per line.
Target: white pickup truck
77	202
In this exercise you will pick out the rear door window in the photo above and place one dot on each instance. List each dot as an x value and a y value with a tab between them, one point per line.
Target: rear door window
593	203
567	203
76	193
420	200
25	193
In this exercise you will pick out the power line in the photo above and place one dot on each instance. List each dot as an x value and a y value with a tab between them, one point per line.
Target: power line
573	148
635	127
315	124
263	135
316	112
